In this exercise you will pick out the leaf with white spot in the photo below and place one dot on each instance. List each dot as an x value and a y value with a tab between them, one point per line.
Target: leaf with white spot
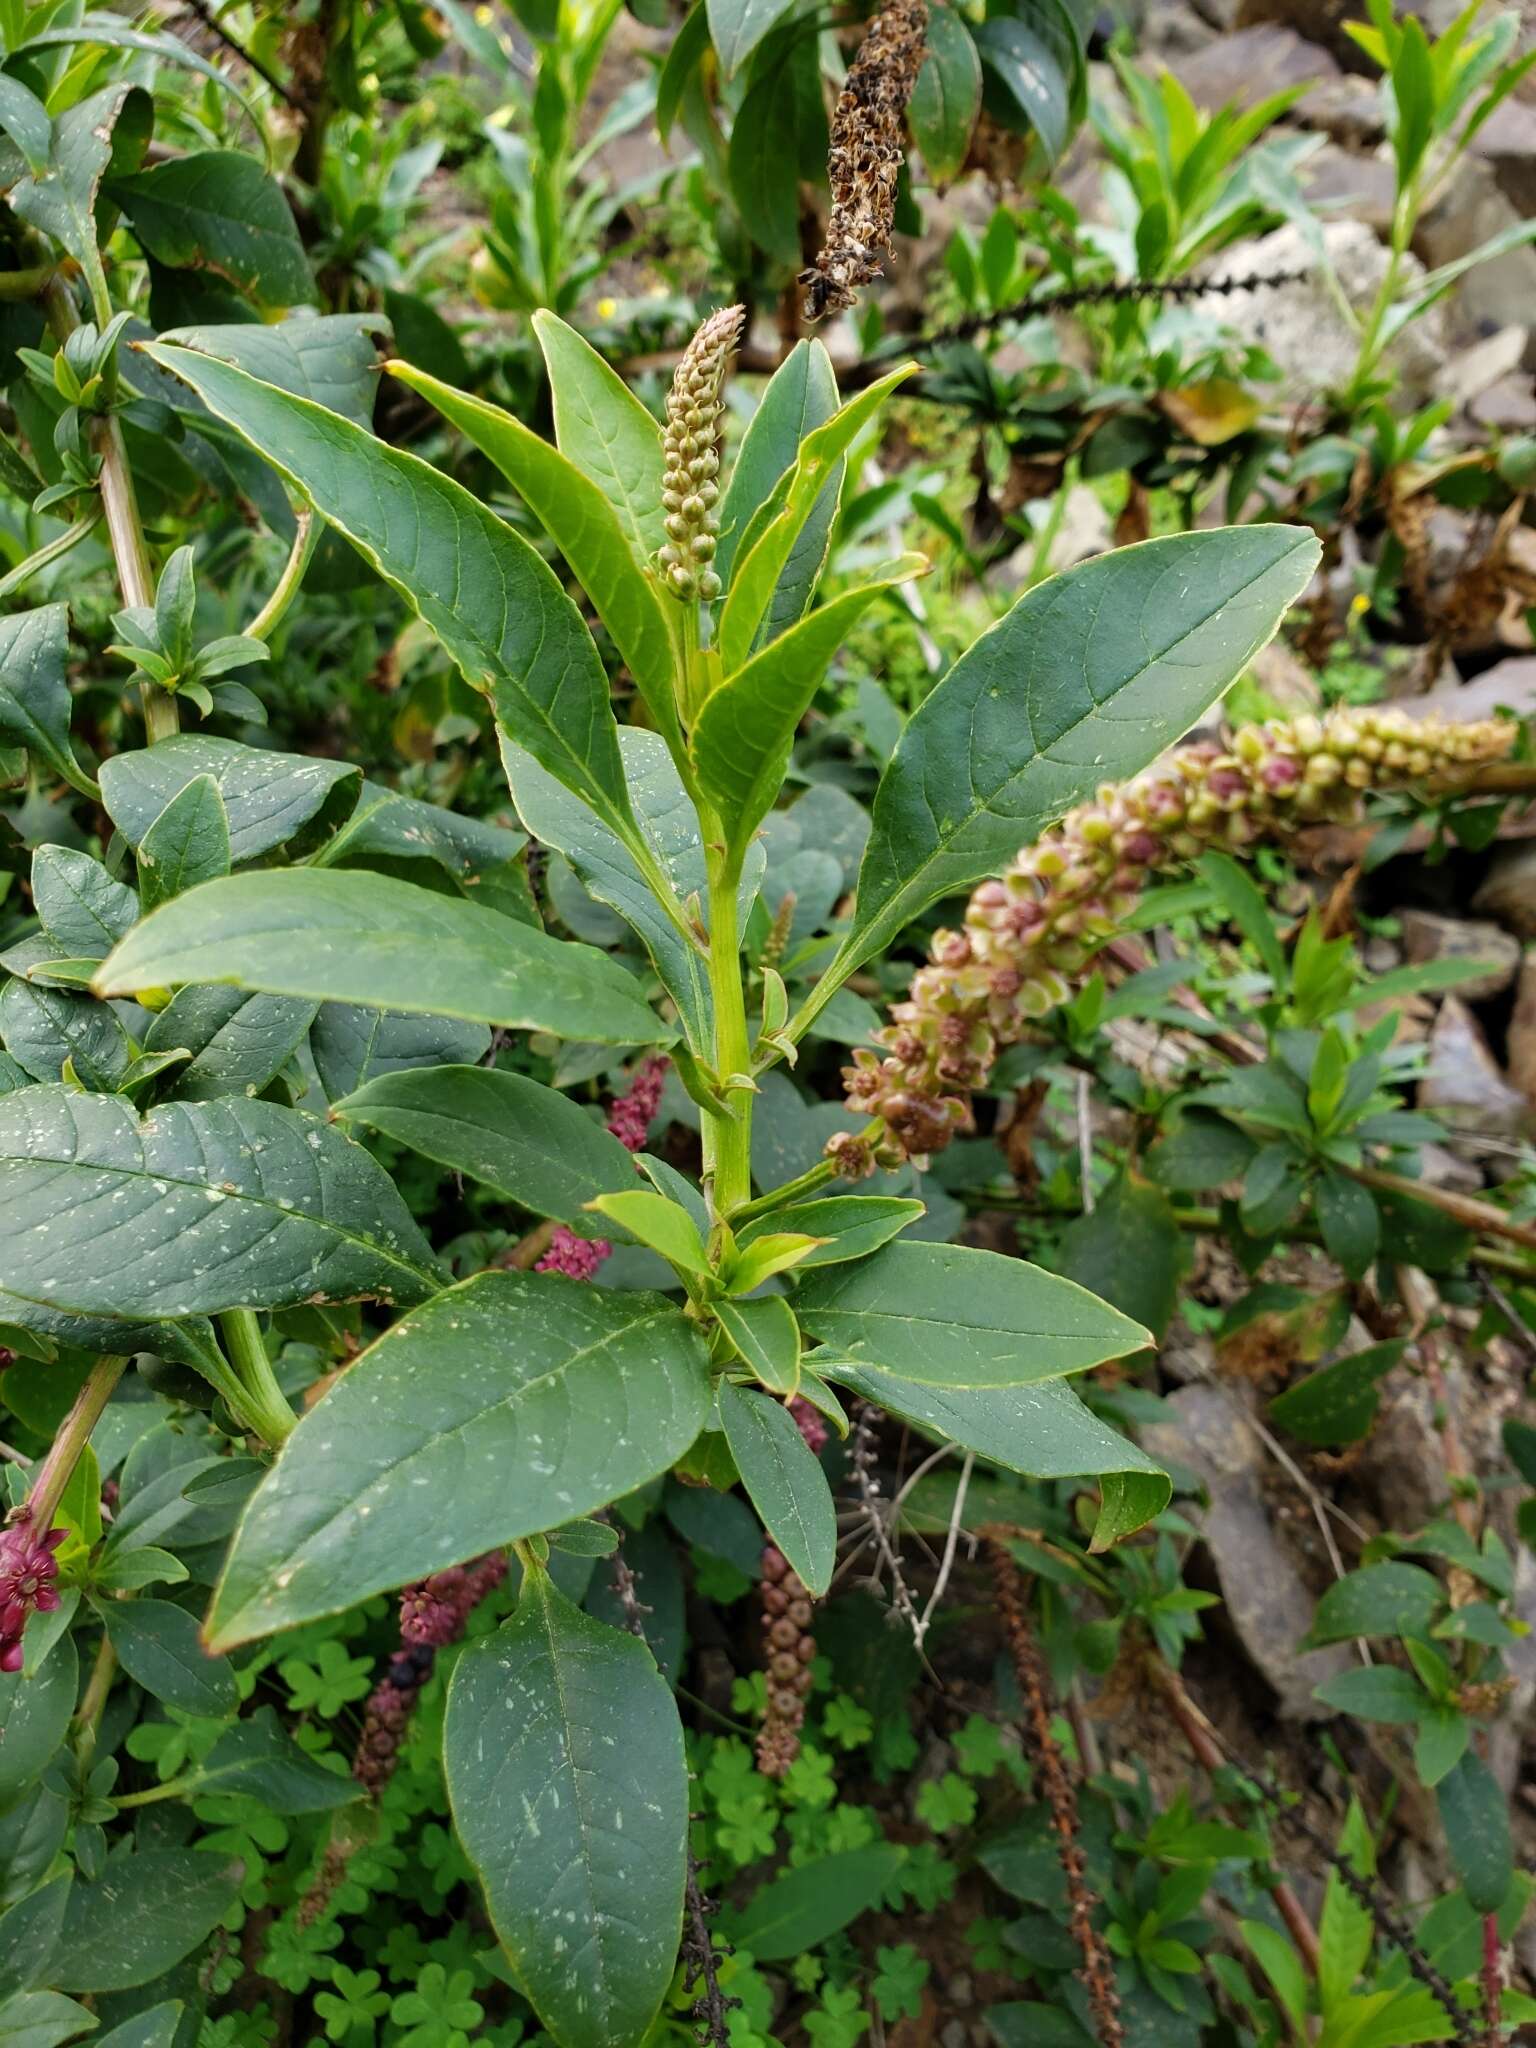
564	1756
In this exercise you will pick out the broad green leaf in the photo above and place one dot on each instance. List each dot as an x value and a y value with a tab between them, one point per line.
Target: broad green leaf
352	1046
332	359
200	1206
34	1717
778	135
1387	1599
742	740
86	143
78	904
42	2019
1441	1743
258	1758
946	97
29	1936
496	606
158	1645
947	1316
188	1342
144	1913
783	1480
663	1224
800	396
269	799
43	1027
689	42
767	1336
1349	1220
1243	901
25	120
1129	1250
759	566
1084	681
32	1834
403	1468
350	936
238	1041
609	871
851	1225
1475	1816
110	29
218	210
156	2028
1044	1431
526	1141
564	1758
1031	63
580	519
188	843
603	428
1200	1152
34	692
736	27
1375	1692
796	1912
1337	1404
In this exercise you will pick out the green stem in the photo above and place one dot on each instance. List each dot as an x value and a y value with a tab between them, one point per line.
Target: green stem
264	1401
93	1701
173	1788
792	1191
272	613
1404	219
728	1133
51	551
74	1433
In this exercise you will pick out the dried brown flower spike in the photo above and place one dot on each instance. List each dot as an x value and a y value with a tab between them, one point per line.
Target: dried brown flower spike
865	159
691	446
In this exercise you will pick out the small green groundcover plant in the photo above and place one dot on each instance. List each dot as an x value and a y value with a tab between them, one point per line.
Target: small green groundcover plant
161	1191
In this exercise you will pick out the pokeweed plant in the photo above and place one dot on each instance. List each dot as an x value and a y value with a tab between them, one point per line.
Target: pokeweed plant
159	1193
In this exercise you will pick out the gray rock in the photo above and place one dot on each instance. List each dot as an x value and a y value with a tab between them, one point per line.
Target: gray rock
1464	1077
1427	935
1508	891
1343	182
1301	324
1509	406
1509	685
1267	1600
1473	210
1403	1458
1249	64
1472	372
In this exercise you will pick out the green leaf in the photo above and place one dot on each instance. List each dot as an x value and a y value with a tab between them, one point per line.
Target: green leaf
153	2029
564	1758
145	1912
947	1316
238	1042
1349	1221
1043	1431
218	210
353	1046
1200	1152
34	692
332	359
78	904
42	2019
44	1027
1337	1404
736	27
608	869
800	396
783	1480
25	120
1475	1816
1375	1692
946	97
62	201
188	843
762	562
29	1937
1378	1600
527	1141
346	935
852	1225
603	428
402	1469
1031	63
257	1758
802	1908
201	1206
157	1644
779	133
34	1718
742	740
1243	901
683	58
1128	1249
496	606
580	519
1441	1743
1088	678
659	1222
767	1337
388	828
269	798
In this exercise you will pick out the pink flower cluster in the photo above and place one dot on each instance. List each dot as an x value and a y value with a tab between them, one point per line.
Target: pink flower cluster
433	1611
28	1584
629	1119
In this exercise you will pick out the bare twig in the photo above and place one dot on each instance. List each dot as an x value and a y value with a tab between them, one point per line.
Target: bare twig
701	1963
861	1458
951	1543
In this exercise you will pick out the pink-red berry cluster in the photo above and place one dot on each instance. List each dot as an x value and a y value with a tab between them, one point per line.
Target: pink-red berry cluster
790	1646
629	1119
1031	932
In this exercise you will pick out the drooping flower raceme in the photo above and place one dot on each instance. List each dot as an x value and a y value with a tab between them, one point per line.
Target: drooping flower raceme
1032	931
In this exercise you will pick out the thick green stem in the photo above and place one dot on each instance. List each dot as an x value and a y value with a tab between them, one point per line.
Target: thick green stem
728	1133
266	1405
74	1433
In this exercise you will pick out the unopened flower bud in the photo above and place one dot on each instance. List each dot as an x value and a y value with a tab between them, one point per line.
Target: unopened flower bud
692	458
